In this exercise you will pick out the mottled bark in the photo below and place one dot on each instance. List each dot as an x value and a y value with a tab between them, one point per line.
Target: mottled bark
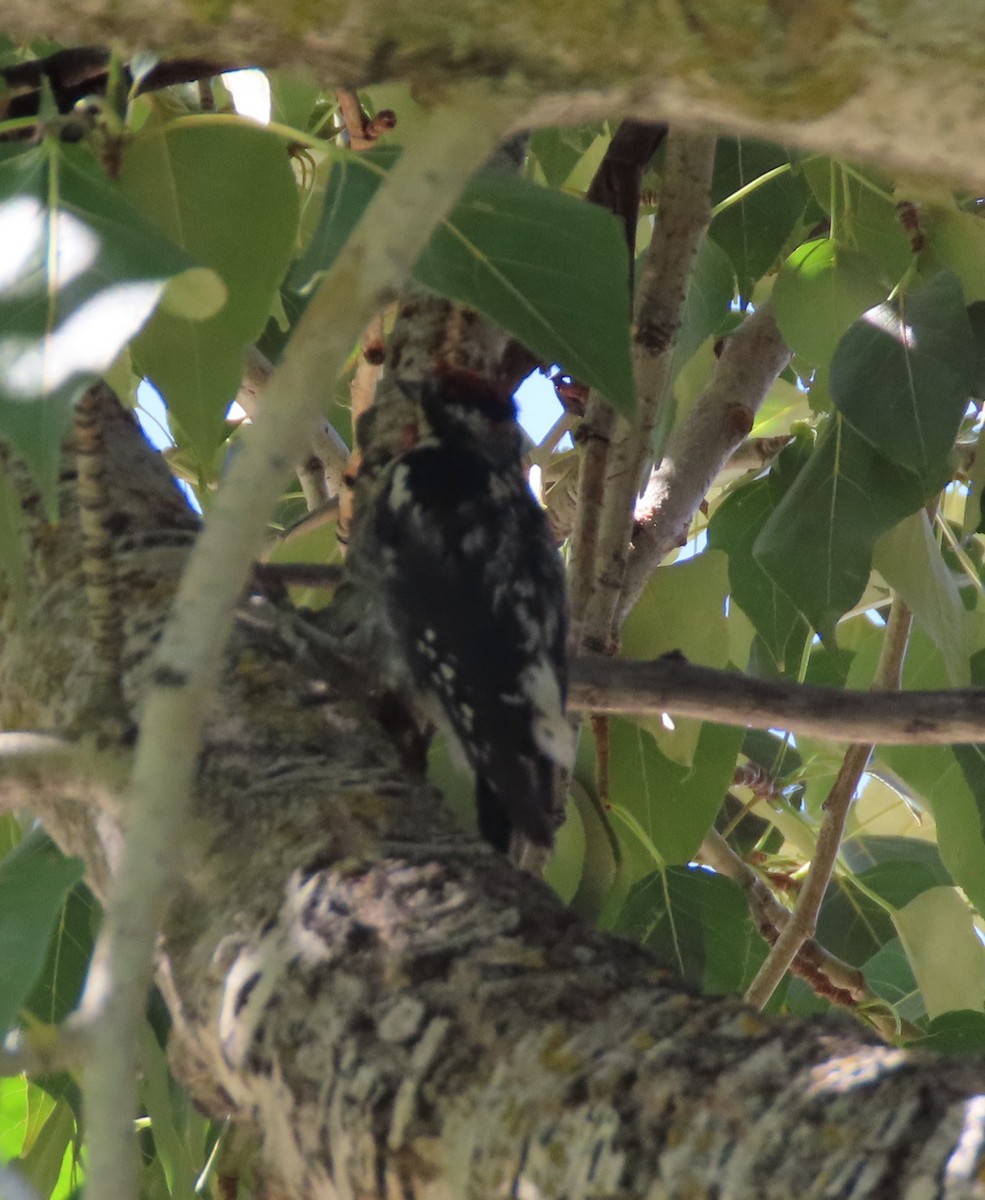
898	83
388	1001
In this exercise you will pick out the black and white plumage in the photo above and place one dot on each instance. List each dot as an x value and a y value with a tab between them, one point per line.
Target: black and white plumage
456	581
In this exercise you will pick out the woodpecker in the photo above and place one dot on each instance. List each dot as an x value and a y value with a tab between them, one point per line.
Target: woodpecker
458	593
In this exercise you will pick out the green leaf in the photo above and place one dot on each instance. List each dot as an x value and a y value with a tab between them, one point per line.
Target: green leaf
946	954
697	924
956	242
868	850
889	974
42	1165
910	561
82	272
57	990
672	804
958	1032
34	879
753	231
548	268
821	289
734	528
935	776
224	190
851	924
865	214
682	609
559	150
817	545
902	376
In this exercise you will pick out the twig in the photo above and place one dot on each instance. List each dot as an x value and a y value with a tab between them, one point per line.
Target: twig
379	254
770	915
837	806
672	685
751	359
595	434
320	470
354	119
28	761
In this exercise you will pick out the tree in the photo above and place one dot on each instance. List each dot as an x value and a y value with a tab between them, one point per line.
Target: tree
341	967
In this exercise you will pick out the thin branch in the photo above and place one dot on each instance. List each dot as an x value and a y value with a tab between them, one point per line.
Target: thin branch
31	764
771	917
751	359
683	217
456	138
837	806
595	434
616	186
321	468
672	685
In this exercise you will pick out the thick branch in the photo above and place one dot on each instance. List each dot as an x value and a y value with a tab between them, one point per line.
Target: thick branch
401	1012
713	430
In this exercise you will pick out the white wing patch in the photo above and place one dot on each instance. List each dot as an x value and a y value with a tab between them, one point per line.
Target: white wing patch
400	494
552	733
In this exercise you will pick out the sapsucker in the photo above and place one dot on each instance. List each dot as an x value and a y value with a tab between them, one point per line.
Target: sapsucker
456	591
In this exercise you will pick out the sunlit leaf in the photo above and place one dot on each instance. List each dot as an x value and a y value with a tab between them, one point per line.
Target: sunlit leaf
821	289
910	561
81	273
902	376
225	191
946	954
956	242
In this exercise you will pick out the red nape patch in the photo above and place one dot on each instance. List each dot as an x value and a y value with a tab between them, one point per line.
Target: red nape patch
469	388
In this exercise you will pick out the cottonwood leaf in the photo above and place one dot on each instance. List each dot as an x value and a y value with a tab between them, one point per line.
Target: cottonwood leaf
34	879
910	561
696	923
673	805
548	268
821	289
946	954
817	544
902	375
224	191
81	273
